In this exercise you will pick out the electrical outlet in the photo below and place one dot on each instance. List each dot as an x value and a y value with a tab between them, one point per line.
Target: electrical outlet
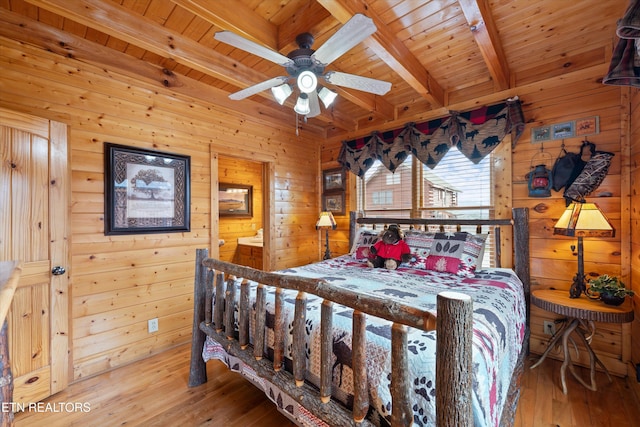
153	325
549	327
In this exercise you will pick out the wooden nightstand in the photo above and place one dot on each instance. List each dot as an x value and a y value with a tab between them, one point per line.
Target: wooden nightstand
581	314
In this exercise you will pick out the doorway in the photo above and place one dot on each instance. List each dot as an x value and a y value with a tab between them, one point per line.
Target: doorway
242	233
34	196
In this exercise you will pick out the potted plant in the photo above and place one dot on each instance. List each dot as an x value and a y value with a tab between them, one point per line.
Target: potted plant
609	289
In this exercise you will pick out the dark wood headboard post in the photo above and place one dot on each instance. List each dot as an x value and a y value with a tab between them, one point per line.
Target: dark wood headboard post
353	215
521	252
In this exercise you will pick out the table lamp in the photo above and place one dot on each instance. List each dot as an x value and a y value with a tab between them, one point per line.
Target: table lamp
326	221
582	219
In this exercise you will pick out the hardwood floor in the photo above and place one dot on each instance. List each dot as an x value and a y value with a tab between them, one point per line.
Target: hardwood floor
154	392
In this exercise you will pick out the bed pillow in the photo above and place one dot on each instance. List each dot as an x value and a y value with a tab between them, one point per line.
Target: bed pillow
420	244
365	237
456	253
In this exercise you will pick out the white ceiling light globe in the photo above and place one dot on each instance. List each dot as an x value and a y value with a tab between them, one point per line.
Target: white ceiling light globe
307	81
302	105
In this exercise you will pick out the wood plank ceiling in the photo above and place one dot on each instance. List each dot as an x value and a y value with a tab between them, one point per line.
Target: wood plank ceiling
439	55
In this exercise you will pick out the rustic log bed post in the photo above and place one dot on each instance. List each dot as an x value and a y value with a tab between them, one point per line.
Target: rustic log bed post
198	368
454	370
454	335
9	275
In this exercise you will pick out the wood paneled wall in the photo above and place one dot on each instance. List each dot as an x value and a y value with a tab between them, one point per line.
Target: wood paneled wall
119	282
553	264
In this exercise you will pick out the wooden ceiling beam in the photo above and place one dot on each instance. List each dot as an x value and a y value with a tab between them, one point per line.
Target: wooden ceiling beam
312	18
374	104
239	18
114	20
390	50
483	28
142	32
19	27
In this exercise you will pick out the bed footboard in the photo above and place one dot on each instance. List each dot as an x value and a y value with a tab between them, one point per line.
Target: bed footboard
454	377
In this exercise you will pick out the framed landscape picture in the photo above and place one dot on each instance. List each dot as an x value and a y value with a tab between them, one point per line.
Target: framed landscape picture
334	203
333	179
235	200
145	191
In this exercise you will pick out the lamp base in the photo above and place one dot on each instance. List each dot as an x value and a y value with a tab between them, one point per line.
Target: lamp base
327	253
578	287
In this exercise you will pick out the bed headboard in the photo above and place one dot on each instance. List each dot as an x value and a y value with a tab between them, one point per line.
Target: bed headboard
518	223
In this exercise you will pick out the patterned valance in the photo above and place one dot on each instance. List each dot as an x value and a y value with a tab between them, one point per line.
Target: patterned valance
475	133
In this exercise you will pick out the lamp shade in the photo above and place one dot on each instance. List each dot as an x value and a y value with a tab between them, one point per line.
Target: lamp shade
582	219
302	106
281	93
326	220
326	96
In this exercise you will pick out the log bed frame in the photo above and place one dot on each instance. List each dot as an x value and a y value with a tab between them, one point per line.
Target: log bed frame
453	325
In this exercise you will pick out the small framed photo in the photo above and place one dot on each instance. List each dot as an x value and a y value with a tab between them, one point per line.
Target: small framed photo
235	200
588	126
540	134
145	191
334	203
333	179
563	130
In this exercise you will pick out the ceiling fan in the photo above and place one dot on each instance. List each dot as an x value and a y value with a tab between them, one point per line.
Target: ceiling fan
306	66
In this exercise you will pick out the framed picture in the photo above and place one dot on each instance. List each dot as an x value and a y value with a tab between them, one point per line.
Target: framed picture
333	179
334	203
540	134
235	200
563	130
145	191
588	126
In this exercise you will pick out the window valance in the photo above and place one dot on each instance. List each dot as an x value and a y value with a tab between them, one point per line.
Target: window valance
475	133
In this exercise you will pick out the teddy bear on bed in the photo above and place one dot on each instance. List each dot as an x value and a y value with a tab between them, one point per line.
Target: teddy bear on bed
390	250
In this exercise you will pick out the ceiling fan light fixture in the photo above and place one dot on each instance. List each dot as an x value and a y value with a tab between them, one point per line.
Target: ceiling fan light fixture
281	93
302	105
327	96
307	81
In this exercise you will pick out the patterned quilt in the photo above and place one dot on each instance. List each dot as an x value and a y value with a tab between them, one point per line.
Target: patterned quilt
498	331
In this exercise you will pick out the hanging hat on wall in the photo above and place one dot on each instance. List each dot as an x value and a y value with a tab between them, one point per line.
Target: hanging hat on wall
590	178
569	165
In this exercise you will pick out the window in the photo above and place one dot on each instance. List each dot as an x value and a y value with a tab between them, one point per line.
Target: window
393	178
455	188
387	194
382	197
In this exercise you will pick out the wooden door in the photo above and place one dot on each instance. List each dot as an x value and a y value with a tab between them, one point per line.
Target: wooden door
34	205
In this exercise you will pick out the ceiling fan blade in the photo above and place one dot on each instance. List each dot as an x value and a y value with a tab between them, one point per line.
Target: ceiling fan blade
358	28
252	90
352	81
248	46
314	105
